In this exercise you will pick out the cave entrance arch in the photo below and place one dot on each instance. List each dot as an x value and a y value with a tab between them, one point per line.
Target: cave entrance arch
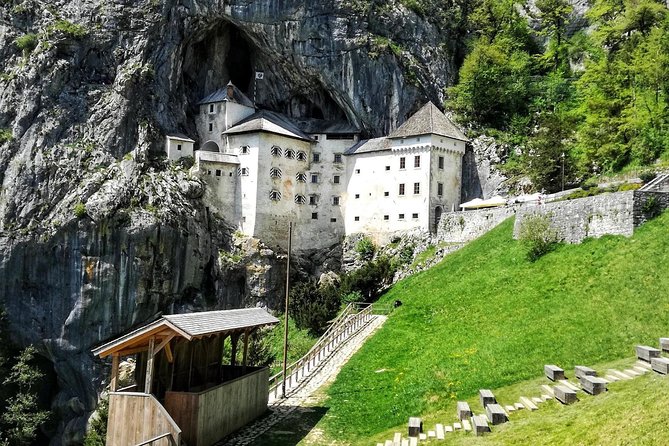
210	146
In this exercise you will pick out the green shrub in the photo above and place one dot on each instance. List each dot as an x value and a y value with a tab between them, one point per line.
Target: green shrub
589	183
6	135
628	186
97	432
186	162
406	254
365	248
369	280
79	210
651	208
27	42
647	177
311	306
70	29
538	236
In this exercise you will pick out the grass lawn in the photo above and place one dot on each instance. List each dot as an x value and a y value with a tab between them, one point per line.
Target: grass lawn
299	343
486	317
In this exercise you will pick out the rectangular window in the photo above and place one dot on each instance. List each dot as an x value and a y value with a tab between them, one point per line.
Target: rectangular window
357	170
211	108
335	179
386	194
387	167
401	217
416	161
313	199
335	201
218	172
211	127
314	178
337	157
357	196
401	189
356	218
416	188
414	215
386	217
403	163
178	146
440	189
333	220
316	157
245	171
441	162
314	215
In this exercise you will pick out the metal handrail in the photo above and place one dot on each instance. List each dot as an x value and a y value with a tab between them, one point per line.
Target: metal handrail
350	316
159	437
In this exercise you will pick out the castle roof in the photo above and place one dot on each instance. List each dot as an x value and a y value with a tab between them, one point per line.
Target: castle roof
179	136
221	95
428	120
270	122
368	146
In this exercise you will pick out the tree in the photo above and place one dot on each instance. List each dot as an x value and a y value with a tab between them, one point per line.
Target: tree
538	236
548	161
311	306
22	416
554	16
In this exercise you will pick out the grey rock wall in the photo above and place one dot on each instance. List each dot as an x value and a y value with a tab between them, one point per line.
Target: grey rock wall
462	227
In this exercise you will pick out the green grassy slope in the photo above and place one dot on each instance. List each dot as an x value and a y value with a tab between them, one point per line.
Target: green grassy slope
487	318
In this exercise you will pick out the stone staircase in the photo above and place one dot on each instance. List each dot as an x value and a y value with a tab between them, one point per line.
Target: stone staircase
586	382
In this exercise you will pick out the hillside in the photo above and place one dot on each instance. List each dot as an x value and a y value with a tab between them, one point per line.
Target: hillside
486	317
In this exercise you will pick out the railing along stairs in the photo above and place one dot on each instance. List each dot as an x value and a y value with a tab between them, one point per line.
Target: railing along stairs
166	436
355	316
660	178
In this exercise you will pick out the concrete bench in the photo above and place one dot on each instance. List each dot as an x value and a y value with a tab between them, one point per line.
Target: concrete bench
581	370
480	425
496	414
593	385
646	353
664	344
415	426
464	412
660	365
553	372
486	397
564	394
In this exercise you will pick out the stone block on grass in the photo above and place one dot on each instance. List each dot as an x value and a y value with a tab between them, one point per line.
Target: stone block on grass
660	365
415	426
646	353
593	385
553	372
464	412
486	397
581	370
480	425
496	414
564	394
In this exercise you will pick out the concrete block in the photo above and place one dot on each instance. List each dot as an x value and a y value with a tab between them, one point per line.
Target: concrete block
486	397
646	353
619	374
565	395
519	406
431	434
422	437
660	365
466	425
664	344
405	442
593	384
510	408
480	425
448	428
397	439
547	389
612	378
389	443
464	412
440	431
413	441
553	372
581	370
415	426
566	383
457	426
496	414
528	403
537	400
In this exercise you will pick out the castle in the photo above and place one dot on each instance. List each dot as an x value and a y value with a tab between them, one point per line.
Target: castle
264	170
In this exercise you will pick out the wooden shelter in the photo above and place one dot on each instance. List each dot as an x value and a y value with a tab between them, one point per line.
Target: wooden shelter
184	392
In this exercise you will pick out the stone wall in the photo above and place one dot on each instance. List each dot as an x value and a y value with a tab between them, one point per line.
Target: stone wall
461	227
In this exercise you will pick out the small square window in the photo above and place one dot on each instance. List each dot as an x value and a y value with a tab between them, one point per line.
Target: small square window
218	172
386	217
333	220
178	146
357	170
441	162
337	157
414	215
335	201
211	127
314	178
313	199
314	215
387	167
230	174
401	216
386	194
416	161
403	162
245	150
416	188
316	157
335	179
356	218
401	189
357	196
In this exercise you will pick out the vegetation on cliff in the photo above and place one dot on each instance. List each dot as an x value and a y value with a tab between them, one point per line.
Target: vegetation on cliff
592	100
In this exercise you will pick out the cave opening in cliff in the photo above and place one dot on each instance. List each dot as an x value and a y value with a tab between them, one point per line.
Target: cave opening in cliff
224	52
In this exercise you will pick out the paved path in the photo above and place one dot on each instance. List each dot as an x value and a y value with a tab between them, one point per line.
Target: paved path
325	373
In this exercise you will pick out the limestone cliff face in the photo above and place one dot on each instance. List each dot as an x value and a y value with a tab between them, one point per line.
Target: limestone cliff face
96	234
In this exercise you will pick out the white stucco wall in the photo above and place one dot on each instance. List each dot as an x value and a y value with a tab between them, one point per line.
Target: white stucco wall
172	146
224	116
220	173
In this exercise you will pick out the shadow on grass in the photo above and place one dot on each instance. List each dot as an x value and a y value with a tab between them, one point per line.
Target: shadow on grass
292	429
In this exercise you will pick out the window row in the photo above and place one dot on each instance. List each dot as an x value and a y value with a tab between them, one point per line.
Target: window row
386	217
275	195
288	153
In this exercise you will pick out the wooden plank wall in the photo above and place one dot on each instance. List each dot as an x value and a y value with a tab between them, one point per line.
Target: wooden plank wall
137	417
183	407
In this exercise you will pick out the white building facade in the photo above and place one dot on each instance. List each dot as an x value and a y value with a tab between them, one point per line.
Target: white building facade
264	170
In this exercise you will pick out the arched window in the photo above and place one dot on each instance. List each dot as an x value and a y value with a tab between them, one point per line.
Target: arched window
244	150
301	156
300	199
275	172
276	151
274	195
301	177
290	153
